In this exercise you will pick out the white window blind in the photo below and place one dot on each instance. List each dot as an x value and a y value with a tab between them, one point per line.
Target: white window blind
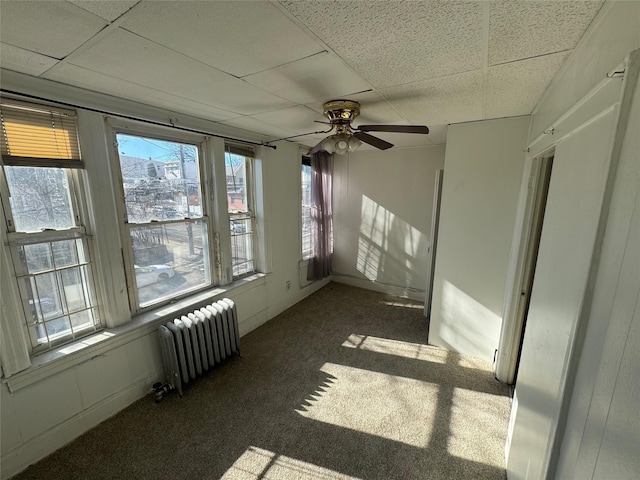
38	135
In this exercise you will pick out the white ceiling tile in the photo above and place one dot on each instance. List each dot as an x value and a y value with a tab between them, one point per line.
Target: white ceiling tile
453	99
320	77
520	30
239	38
256	126
308	140
90	80
515	88
24	61
54	29
108	10
394	43
129	57
299	119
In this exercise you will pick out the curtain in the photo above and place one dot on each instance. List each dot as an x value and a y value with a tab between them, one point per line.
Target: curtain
321	217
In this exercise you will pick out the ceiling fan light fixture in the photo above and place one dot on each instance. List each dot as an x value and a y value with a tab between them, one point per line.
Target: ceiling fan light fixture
354	143
342	143
330	144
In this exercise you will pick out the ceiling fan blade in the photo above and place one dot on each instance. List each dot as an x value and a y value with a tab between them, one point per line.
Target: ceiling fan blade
317	148
371	140
394	128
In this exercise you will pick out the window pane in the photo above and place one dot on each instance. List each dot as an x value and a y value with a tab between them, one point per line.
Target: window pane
306	211
236	182
54	290
170	259
161	179
38	257
240	213
74	291
65	253
40	198
242	246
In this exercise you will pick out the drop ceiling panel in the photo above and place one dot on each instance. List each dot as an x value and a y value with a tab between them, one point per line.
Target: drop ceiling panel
54	29
88	79
317	78
515	88
129	57
520	30
239	38
256	126
24	61
298	119
393	43
453	99
108	10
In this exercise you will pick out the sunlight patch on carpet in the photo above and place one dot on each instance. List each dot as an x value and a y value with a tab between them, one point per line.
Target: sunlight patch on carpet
388	406
474	432
387	346
258	464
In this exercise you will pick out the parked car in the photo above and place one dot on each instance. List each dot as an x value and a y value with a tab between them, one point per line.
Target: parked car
151	274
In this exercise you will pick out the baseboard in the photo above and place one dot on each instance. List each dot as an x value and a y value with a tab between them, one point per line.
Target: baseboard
300	295
394	290
34	450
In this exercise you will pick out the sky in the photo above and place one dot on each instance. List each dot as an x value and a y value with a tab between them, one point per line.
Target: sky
145	147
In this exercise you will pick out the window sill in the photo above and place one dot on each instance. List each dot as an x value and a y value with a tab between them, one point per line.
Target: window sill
86	349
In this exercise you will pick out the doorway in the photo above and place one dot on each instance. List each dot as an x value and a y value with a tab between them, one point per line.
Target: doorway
531	211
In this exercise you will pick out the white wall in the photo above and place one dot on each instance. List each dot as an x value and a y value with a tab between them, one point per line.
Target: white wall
53	402
382	218
482	171
574	413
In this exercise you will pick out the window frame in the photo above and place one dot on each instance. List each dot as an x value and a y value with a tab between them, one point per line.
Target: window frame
201	142
250	214
80	230
305	254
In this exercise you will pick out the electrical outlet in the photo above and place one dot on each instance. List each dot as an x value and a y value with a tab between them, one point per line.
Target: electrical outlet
287	285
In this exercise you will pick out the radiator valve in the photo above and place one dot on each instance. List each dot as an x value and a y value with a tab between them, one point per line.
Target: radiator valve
160	391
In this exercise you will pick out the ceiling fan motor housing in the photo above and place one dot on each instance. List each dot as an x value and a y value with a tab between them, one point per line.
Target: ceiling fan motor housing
341	112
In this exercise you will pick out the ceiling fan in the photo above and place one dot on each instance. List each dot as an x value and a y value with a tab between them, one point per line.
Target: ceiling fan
348	138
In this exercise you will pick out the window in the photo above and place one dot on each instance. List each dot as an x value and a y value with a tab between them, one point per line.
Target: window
166	224
306	208
239	173
49	246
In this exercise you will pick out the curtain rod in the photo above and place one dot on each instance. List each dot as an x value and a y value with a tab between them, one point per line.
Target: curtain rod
137	119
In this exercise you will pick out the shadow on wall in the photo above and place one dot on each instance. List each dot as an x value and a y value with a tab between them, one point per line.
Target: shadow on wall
390	250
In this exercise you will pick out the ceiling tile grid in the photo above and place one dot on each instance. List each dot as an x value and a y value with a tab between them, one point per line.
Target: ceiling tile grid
147	63
525	29
88	79
54	29
238	38
393	43
268	66
452	99
25	61
110	10
514	88
317	78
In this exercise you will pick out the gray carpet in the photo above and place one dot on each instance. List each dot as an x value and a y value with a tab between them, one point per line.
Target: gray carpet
343	385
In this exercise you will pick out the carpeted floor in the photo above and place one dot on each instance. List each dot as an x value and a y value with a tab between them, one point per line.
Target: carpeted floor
343	385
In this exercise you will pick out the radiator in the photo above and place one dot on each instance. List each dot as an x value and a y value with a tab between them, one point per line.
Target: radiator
196	342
